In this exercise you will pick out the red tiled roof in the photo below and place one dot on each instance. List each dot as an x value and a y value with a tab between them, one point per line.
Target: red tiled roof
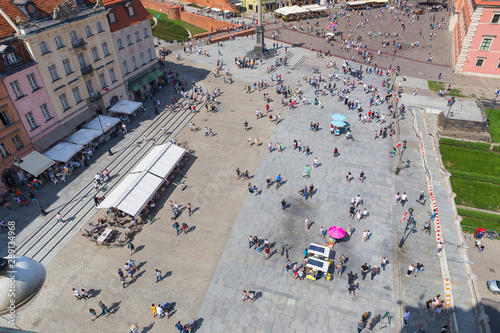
123	20
12	11
488	3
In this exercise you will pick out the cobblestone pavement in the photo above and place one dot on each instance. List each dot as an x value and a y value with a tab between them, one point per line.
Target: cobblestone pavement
206	269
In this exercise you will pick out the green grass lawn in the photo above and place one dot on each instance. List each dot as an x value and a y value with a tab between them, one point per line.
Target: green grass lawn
494	125
436	86
476	194
470	160
171	30
472	220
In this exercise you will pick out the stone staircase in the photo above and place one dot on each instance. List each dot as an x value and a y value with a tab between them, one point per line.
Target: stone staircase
462	57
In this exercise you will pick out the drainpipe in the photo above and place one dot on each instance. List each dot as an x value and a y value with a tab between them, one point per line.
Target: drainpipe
8	19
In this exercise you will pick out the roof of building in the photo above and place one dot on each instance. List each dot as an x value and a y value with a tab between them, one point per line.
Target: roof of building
22	52
123	20
488	3
45	9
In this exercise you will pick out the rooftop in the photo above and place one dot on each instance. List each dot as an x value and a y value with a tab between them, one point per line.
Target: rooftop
123	20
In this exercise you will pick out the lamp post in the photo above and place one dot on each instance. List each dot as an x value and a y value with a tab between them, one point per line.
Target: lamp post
97	109
408	222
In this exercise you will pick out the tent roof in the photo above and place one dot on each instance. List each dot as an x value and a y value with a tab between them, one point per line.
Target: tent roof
63	151
291	10
124	106
133	193
83	136
215	9
35	163
161	160
314	8
106	121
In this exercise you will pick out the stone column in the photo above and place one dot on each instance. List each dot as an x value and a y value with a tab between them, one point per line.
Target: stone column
259	30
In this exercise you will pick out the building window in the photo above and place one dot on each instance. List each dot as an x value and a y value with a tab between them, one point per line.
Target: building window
250	7
31	120
120	43
129	40
485	44
99	27
59	42
146	33
102	79
131	11
16	88
33	82
5	119
141	56
88	31
46	112
112	18
495	19
18	143
90	88
76	93
81	60
137	36
112	75
4	151
150	54
67	66
498	66
480	62
95	53
11	58
125	67
105	49
134	63
44	48
74	36
64	101
53	73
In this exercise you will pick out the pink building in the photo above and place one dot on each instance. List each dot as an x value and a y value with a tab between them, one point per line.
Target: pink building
33	105
477	38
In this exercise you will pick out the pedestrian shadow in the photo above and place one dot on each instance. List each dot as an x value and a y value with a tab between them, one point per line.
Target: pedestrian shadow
141	264
310	225
148	328
283	182
140	274
114	307
197	324
193	228
258	295
167	274
93	292
273	253
139	248
195	210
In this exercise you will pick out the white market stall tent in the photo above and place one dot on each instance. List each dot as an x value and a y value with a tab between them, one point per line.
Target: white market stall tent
36	163
63	151
106	121
314	8
83	136
290	10
161	160
124	106
135	191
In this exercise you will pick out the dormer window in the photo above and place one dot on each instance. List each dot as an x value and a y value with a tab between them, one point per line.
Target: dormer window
112	18
131	11
9	55
11	58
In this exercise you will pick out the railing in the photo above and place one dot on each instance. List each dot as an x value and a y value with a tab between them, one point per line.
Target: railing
94	97
87	70
78	43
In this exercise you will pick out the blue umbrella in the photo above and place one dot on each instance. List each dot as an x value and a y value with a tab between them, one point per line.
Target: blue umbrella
338	116
338	123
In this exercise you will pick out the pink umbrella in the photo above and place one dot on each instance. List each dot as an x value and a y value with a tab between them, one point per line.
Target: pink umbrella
336	232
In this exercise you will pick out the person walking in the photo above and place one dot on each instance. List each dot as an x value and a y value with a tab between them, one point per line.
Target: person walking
385	261
351	288
176	226
158	275
419	268
288	266
268	252
283	204
131	247
406	317
93	313
410	271
153	309
189	208
362	176
364	270
350	277
122	277
365	235
306	224
339	268
104	308
374	272
433	216
404	199
85	295
77	294
439	248
59	217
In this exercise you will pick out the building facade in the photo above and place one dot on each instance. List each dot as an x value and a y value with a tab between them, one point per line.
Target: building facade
14	140
71	42
477	37
132	38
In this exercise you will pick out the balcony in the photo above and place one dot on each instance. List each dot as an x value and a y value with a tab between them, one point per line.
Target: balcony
87	70
94	97
78	43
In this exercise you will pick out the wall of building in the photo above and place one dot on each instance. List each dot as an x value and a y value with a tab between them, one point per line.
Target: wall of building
491	57
32	101
221	4
7	164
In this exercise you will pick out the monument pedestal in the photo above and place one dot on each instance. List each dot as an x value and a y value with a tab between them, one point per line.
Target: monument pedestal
259	45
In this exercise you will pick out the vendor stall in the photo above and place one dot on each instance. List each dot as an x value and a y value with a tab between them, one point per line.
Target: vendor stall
125	107
63	151
319	251
161	160
35	163
83	136
106	121
316	268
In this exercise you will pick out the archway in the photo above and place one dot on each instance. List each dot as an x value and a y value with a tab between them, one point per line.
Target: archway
10	178
113	100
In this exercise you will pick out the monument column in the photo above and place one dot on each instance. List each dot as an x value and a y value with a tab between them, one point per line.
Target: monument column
259	31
